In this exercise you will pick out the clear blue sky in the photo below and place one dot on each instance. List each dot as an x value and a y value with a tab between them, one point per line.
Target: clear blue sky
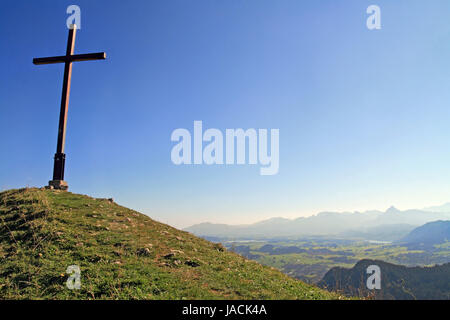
363	115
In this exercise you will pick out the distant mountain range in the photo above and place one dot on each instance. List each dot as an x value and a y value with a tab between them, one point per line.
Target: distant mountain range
390	225
397	282
443	208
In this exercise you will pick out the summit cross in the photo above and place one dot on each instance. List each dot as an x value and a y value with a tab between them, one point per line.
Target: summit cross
60	157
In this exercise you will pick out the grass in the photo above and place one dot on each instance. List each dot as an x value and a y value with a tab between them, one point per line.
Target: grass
122	254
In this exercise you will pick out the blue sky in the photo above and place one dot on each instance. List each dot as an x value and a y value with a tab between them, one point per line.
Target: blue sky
363	115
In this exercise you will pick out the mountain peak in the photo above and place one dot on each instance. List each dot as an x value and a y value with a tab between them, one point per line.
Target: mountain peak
392	209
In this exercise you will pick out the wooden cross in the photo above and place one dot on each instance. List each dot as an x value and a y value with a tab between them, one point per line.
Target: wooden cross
60	158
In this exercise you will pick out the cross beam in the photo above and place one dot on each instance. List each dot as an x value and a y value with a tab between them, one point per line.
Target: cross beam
60	157
72	58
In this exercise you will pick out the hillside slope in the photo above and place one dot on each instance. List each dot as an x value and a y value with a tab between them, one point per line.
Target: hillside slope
429	234
122	254
397	282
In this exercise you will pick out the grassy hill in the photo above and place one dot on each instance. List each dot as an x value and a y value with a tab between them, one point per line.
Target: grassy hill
122	255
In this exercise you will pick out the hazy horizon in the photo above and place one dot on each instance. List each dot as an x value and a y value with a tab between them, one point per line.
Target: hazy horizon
293	216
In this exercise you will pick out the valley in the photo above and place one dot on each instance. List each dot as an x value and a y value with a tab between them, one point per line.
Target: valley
311	258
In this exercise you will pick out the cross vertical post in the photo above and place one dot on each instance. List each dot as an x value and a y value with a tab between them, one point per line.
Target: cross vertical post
60	157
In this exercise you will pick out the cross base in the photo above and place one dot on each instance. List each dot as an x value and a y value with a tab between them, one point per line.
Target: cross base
58	185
